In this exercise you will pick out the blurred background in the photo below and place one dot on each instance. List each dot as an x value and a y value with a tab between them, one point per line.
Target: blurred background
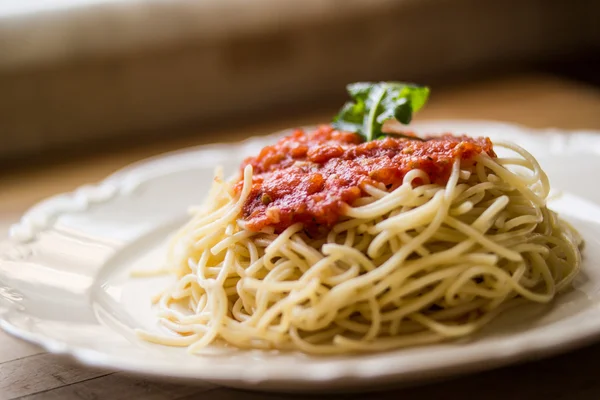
76	74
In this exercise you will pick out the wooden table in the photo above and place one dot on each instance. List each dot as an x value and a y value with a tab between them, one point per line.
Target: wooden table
26	372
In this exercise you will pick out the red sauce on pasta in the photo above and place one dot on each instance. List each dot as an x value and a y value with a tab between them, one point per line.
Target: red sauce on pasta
309	177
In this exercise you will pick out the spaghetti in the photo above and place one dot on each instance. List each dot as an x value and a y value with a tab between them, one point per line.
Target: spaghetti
415	261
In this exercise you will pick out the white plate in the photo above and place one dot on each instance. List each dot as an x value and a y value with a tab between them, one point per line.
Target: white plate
64	280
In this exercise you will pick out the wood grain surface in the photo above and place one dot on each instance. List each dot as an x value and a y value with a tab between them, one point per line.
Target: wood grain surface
26	372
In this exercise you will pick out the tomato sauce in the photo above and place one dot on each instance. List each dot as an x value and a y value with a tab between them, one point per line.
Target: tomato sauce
308	177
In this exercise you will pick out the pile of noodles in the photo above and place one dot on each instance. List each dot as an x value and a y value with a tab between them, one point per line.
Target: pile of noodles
416	265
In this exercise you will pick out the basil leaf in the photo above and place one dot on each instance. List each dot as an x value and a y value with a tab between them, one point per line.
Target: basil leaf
371	125
403	112
375	103
359	90
350	117
418	97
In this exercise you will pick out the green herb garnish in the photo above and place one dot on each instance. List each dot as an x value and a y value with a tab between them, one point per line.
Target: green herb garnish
375	103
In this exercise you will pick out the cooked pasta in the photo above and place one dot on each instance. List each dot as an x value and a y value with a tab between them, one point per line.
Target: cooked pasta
419	261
